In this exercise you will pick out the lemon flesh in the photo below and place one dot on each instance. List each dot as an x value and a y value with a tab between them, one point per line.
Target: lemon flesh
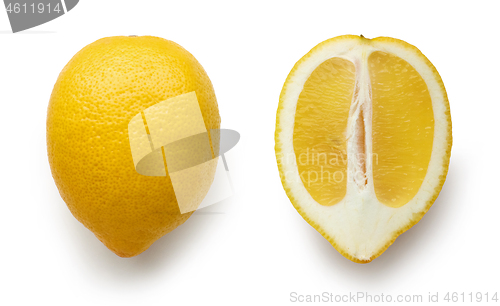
319	133
402	128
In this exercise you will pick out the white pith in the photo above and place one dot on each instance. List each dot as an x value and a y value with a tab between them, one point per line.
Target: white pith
360	224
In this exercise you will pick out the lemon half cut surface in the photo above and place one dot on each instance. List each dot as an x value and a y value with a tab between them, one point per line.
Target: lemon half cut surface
363	141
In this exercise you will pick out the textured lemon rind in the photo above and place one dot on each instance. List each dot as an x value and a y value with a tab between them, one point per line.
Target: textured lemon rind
112	207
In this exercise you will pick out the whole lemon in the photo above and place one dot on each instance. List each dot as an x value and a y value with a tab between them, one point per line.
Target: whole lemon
95	96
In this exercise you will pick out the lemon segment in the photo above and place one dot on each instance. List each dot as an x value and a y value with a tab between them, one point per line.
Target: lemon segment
402	128
319	133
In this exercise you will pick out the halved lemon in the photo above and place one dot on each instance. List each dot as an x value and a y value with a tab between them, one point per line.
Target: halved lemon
363	141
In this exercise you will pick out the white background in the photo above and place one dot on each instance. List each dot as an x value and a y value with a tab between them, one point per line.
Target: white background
256	249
